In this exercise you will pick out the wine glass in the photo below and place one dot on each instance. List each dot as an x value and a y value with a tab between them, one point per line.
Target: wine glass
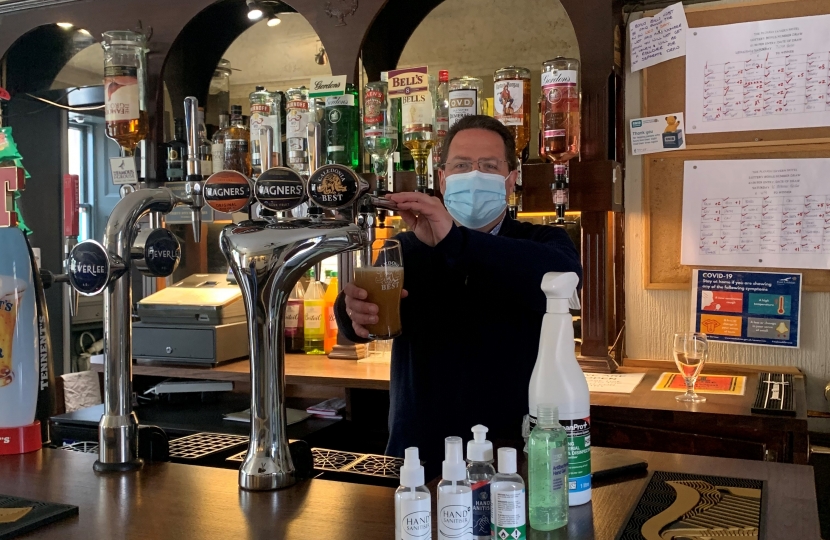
690	352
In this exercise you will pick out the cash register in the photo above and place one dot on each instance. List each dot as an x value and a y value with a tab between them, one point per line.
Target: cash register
197	321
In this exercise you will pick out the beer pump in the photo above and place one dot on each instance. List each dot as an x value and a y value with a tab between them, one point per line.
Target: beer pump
95	268
267	257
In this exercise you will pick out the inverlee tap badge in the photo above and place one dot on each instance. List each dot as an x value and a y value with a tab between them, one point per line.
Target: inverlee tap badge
227	191
280	189
89	268
156	252
333	186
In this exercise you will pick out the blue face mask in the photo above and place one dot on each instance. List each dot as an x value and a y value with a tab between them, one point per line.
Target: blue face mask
475	199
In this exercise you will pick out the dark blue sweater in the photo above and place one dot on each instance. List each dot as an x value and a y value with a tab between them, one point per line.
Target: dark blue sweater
470	336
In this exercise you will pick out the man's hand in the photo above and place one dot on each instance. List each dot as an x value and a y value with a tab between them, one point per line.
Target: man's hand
424	215
360	311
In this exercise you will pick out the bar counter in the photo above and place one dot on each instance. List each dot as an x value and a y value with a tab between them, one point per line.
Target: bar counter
172	501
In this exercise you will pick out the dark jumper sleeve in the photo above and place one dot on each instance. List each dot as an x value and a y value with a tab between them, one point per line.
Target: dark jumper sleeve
344	322
512	267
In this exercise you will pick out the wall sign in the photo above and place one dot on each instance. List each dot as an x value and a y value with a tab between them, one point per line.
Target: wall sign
755	308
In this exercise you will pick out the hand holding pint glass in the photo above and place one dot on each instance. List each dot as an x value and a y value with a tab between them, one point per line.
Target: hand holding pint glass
373	299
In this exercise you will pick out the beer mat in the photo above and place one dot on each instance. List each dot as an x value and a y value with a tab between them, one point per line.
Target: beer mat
679	505
732	385
19	516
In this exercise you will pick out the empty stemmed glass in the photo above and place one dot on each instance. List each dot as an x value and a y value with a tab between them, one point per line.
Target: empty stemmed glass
690	352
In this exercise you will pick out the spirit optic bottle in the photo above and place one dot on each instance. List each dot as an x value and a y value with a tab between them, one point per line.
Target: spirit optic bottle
380	129
465	95
296	126
125	78
511	106
442	113
218	143
559	110
237	144
418	118
205	146
342	120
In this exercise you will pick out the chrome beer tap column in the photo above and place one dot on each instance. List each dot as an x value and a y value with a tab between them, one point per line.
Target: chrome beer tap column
95	268
268	256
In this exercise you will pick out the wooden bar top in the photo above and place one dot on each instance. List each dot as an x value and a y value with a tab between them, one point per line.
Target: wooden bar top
172	501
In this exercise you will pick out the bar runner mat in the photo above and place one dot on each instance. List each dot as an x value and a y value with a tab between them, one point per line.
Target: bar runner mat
774	395
19	516
678	505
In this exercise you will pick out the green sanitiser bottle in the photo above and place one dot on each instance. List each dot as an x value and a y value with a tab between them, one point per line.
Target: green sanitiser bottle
547	471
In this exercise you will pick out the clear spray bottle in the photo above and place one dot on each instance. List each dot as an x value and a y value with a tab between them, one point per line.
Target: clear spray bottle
455	496
479	472
413	502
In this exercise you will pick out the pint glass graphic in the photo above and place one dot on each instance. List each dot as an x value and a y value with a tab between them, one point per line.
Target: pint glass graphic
11	292
19	361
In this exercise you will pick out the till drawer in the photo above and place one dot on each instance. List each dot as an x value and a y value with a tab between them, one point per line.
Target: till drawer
156	342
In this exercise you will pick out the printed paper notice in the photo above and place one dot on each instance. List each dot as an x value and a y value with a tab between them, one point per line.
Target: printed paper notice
732	385
756	308
758	75
757	213
657	134
613	383
659	38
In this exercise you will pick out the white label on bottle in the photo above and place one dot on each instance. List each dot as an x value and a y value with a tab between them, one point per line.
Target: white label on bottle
507	507
442	125
417	109
121	95
207	167
292	315
336	148
296	123
218	152
313	317
508	102
565	77
346	100
256	121
455	516
558	468
462	103
416	520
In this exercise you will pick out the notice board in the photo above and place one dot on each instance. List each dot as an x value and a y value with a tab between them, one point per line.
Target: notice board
664	92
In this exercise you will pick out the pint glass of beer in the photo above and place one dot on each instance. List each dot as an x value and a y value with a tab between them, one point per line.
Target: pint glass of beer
379	271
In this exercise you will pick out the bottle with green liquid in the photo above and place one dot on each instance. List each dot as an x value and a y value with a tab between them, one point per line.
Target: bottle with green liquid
547	471
314	328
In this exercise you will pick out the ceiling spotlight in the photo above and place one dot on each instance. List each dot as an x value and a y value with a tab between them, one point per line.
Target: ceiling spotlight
274	21
66	25
254	11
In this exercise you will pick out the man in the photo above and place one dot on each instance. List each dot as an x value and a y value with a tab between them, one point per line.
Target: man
472	306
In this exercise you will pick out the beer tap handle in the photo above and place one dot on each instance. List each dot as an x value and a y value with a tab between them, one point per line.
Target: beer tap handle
194	165
71	204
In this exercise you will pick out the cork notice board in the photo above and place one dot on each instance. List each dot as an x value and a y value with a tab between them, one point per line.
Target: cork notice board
664	92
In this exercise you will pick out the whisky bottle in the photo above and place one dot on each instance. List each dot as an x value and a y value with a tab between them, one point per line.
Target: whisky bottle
237	144
177	153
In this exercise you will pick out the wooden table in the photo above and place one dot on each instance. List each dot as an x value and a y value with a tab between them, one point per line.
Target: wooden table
171	501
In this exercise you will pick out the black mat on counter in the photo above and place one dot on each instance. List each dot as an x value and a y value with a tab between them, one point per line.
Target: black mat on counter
41	513
694	506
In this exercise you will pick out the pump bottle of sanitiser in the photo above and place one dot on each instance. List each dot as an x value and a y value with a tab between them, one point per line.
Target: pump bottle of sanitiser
479	472
413	503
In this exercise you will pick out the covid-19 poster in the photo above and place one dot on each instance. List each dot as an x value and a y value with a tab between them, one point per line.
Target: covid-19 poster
754	308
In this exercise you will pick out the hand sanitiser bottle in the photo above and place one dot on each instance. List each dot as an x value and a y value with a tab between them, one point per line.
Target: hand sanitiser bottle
547	471
507	499
455	496
557	379
413	503
479	472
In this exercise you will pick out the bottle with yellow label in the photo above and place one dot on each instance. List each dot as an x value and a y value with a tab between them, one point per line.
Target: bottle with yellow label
329	299
314	329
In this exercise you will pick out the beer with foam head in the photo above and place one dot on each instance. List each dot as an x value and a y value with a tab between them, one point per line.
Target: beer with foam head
381	276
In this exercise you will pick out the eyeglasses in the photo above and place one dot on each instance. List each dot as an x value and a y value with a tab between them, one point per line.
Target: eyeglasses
487	165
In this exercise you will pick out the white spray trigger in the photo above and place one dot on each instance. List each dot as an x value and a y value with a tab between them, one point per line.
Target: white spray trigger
560	288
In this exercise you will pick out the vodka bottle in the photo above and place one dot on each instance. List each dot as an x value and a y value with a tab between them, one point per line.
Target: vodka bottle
218	143
296	125
380	129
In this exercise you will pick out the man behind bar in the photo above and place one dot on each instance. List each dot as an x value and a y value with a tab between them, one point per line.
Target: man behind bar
472	307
